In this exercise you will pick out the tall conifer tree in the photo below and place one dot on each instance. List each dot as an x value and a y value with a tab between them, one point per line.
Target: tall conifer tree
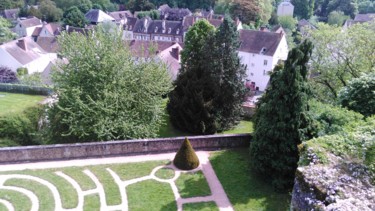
229	75
281	120
190	104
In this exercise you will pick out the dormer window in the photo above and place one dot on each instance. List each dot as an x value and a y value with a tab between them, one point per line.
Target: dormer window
263	51
169	30
177	31
156	29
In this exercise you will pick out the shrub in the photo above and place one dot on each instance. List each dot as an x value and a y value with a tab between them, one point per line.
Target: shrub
331	119
186	159
21	127
7	75
22	71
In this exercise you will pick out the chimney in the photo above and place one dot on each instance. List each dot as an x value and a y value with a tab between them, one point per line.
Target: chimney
22	44
176	53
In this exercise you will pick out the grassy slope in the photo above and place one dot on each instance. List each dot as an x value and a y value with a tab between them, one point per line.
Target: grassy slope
11	103
245	190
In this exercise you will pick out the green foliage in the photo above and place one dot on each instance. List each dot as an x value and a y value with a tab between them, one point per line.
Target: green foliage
6	33
190	104
337	18
349	7
140	5
49	11
303	9
21	127
34	79
265	10
10	4
331	119
192	184
74	17
359	95
102	93
105	4
85	6
21	71
210	87
340	55
153	14
366	7
288	22
281	120
246	10
185	158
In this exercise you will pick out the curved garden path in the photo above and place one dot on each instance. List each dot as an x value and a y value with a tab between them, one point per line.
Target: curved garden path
218	194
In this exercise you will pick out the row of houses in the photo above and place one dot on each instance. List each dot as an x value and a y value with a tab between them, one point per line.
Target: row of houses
260	51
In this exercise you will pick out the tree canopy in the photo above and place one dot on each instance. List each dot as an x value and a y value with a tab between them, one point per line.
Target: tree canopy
281	120
6	33
340	55
103	94
74	17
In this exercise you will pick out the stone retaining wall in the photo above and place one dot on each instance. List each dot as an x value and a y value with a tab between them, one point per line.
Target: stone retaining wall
118	148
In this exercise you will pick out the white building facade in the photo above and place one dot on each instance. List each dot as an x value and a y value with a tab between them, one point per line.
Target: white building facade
261	51
285	8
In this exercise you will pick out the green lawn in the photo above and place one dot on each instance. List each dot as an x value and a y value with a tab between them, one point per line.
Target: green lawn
167	129
11	102
192	184
245	190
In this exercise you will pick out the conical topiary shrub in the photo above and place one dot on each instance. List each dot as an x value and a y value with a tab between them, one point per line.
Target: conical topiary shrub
186	159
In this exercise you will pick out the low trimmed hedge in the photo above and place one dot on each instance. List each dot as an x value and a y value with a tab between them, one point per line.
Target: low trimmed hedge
24	89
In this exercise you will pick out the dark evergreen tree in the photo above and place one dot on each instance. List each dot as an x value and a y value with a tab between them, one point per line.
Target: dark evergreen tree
281	120
229	74
74	17
191	103
303	8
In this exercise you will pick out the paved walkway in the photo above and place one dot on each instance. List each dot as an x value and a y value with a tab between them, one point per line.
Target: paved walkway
218	194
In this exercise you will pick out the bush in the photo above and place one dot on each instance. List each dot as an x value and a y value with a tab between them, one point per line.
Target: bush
21	127
7	75
331	119
186	159
22	71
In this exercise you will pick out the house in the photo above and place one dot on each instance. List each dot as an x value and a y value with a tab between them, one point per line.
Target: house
24	52
359	18
166	52
303	26
95	16
261	51
11	14
128	26
120	15
285	8
26	26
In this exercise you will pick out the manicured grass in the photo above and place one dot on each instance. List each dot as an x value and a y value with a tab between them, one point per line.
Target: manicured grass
245	190
203	206
44	195
168	130
68	194
150	195
91	203
12	103
17	199
192	184
165	173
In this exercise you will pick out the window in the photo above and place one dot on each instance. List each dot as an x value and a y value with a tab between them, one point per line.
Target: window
265	62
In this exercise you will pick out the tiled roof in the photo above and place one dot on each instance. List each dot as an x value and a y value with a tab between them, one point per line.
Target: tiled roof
259	42
30	22
364	17
170	56
24	50
97	16
165	27
130	23
118	15
11	13
36	31
49	44
140	48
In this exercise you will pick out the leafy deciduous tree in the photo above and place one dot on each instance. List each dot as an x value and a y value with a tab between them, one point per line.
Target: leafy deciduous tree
5	33
359	94
281	121
303	8
102	93
246	10
74	17
49	11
